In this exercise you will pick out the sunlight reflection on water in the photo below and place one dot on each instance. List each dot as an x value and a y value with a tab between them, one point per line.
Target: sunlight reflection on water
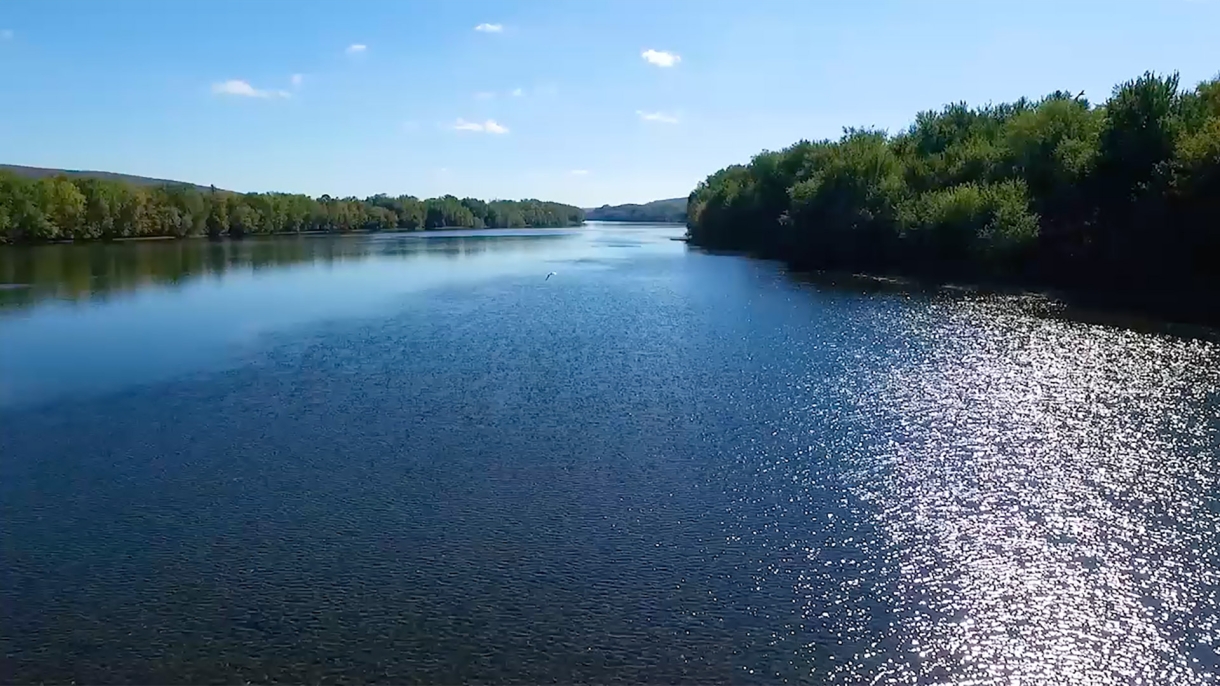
1048	488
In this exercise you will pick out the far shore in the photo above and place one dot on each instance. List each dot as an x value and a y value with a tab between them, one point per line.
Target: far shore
284	234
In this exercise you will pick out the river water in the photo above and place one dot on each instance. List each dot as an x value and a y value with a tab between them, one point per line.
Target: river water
414	458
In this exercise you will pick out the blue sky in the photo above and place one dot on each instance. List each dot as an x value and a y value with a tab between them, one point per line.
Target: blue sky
552	99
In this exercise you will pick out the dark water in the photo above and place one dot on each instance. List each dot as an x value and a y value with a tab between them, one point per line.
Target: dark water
411	459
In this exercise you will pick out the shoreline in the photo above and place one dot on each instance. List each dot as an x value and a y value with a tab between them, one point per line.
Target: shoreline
1082	305
278	234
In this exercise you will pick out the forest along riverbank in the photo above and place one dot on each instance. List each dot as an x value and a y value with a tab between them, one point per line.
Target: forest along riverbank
84	208
1116	204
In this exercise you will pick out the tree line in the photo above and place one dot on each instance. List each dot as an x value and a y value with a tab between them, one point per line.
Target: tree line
1120	200
78	209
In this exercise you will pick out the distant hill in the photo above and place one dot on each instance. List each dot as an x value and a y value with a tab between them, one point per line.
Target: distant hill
40	172
670	210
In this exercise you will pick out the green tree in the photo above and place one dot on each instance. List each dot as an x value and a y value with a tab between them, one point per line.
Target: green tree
243	219
62	204
218	216
101	208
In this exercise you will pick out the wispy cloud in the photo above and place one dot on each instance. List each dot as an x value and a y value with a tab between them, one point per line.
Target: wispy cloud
244	89
297	80
356	48
660	58
660	117
489	28
6	34
518	92
484	95
489	126
579	172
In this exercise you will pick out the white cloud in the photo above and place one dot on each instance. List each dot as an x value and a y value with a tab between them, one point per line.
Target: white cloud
660	58
489	126
579	172
297	79
484	95
356	48
660	117
489	28
245	90
518	92
6	34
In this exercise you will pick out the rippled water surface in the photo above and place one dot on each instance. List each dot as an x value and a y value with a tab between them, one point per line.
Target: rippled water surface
412	459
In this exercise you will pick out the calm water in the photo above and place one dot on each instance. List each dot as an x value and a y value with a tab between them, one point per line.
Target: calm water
413	459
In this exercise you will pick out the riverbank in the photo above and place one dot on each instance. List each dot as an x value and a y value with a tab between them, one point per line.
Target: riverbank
1113	207
289	234
1083	305
56	208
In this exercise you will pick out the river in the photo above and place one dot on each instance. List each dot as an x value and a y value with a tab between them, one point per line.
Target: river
415	458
